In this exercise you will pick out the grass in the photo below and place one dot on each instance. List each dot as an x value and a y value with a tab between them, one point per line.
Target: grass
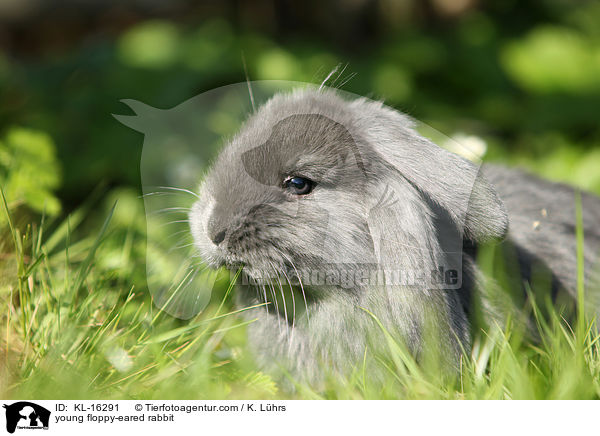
77	323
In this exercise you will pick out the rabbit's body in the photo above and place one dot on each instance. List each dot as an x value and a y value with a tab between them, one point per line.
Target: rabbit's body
314	183
542	223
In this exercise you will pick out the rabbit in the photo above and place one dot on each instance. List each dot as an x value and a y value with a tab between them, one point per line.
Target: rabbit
348	188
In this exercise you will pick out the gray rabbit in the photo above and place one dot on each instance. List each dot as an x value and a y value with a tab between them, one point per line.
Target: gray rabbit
351	225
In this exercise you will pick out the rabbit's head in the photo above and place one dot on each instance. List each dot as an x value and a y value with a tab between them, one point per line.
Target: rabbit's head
313	180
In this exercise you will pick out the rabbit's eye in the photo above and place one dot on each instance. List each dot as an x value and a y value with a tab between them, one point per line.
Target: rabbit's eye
298	185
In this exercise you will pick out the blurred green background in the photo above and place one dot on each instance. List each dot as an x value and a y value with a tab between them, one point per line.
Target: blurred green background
522	75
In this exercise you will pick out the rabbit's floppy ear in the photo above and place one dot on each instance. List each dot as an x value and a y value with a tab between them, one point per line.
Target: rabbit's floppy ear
446	179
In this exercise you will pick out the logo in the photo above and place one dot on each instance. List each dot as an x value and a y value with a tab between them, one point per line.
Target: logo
26	415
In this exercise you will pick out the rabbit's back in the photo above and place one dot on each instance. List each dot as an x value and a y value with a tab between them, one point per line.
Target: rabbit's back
542	224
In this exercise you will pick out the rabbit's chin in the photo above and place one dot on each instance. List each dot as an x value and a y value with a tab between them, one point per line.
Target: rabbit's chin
258	275
262	273
256	271
218	258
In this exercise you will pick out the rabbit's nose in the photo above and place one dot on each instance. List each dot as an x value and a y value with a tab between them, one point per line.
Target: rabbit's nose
218	237
216	228
216	232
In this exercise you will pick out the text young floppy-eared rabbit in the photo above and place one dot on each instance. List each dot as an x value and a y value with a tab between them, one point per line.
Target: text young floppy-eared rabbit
316	182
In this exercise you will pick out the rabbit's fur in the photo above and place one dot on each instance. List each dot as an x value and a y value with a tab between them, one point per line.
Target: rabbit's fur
385	199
